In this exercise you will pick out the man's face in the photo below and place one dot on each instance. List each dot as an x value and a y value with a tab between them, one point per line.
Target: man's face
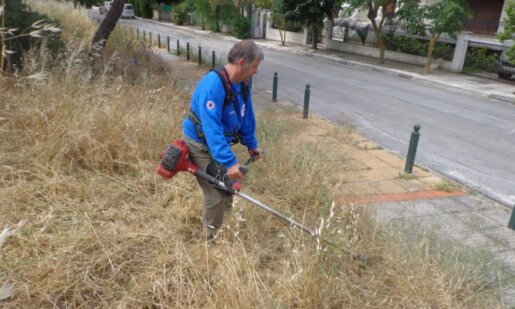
250	70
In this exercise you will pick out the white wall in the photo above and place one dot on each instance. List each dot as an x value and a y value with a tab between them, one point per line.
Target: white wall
258	19
374	52
291	37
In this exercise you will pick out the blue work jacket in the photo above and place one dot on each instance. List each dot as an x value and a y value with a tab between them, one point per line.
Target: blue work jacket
219	125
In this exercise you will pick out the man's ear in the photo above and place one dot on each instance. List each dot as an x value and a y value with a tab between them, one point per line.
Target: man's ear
241	61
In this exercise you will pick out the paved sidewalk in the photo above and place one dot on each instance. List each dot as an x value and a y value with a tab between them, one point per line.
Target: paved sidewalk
423	199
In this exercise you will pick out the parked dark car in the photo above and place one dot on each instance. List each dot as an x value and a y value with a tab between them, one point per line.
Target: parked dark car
506	67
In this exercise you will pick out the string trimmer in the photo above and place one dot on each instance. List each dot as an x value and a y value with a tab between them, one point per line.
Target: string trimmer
175	159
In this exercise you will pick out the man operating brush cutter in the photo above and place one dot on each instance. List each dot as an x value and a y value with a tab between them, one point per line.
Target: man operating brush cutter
221	115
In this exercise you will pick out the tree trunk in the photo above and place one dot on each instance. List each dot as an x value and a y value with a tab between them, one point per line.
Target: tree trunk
329	30
380	42
217	18
430	49
314	38
282	34
107	26
249	9
382	49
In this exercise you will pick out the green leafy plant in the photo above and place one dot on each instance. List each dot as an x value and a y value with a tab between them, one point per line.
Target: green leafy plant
203	12
241	27
417	46
446	16
375	8
310	13
509	30
279	20
180	13
482	59
227	11
145	8
264	4
362	34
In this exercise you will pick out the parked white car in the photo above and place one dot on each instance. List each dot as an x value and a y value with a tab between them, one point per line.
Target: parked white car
105	8
128	11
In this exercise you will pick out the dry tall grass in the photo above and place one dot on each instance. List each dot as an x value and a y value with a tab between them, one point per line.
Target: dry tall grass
91	225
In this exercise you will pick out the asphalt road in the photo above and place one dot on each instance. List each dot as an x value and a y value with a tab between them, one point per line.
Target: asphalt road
464	137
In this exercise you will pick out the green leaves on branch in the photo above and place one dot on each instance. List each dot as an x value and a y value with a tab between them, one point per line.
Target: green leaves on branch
509	30
216	12
446	16
264	4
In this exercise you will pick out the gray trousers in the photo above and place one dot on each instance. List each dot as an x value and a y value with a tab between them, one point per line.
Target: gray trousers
214	201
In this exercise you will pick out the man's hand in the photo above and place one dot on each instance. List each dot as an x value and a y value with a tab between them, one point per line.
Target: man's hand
257	153
234	172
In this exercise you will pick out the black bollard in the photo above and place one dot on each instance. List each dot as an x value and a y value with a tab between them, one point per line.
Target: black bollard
511	223
412	149
178	50
188	51
274	88
144	36
213	59
150	37
168	44
199	56
159	40
306	101
137	33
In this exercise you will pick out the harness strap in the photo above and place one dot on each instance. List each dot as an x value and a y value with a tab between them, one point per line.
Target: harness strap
229	94
236	138
229	97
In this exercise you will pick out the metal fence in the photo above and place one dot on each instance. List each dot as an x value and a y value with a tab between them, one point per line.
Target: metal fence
395	38
483	60
357	32
484	27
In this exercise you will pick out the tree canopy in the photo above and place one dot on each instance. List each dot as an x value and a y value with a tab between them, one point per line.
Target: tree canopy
373	6
509	30
446	16
311	13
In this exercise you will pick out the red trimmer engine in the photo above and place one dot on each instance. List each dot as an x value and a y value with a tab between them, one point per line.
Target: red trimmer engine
175	159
